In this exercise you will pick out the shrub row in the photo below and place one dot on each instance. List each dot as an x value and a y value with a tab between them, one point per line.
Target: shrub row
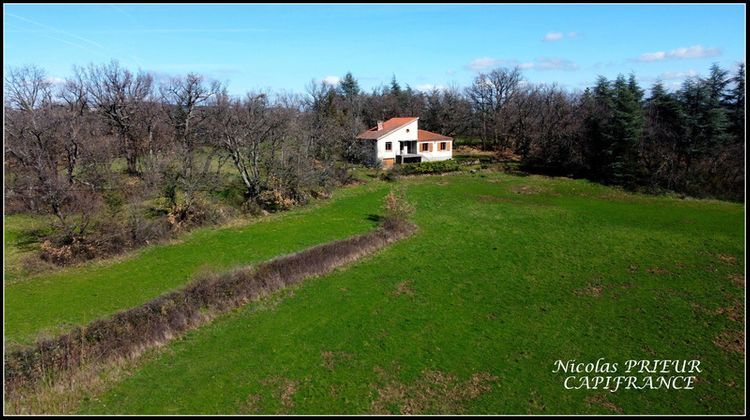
131	331
429	167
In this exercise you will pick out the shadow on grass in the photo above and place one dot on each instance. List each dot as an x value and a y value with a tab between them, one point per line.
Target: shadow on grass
26	240
374	218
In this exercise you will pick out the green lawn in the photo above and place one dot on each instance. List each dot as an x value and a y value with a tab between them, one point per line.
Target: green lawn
506	275
51	303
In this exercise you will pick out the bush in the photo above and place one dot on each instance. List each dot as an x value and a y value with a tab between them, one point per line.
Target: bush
274	200
252	208
114	202
429	167
389	175
397	210
200	212
66	249
111	236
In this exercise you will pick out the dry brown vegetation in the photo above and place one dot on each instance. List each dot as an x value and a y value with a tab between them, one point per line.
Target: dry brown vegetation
434	392
602	400
405	287
738	279
333	359
595	288
729	259
657	270
285	389
525	189
731	341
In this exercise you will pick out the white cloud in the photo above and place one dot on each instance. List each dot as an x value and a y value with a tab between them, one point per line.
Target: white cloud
55	80
671	75
558	36
483	63
331	80
696	51
553	36
541	63
555	64
546	63
428	87
657	56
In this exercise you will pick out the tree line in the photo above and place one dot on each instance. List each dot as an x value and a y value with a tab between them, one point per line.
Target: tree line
108	139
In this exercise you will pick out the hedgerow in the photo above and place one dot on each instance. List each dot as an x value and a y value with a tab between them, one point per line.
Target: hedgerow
131	331
429	167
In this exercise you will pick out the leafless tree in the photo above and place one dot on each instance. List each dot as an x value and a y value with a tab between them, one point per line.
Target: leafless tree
43	145
244	128
118	96
490	94
185	102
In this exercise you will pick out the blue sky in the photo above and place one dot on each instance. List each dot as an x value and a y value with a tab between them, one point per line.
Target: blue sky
284	47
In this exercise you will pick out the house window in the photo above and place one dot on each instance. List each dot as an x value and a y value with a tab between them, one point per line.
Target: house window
388	145
423	147
443	145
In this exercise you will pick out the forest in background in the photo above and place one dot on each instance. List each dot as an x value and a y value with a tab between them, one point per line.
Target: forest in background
116	159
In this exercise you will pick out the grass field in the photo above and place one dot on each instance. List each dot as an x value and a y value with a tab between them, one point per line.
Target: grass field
21	239
51	303
506	275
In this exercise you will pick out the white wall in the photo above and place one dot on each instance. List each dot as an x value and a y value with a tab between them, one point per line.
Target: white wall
436	154
394	137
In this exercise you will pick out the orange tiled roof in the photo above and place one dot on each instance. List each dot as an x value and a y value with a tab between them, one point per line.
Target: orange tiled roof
424	135
388	126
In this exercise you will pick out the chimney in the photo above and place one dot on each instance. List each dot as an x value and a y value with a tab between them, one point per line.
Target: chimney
380	125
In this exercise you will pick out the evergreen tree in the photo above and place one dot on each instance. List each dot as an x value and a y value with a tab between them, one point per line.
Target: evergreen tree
626	129
716	84
718	113
664	138
635	89
598	105
395	87
349	86
736	102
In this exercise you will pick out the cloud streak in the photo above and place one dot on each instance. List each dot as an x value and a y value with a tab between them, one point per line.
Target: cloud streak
331	80
482	63
59	31
429	87
696	51
672	75
541	64
546	63
559	36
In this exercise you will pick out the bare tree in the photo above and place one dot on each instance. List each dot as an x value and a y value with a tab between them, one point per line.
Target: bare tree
43	146
490	94
118	96
244	128
185	102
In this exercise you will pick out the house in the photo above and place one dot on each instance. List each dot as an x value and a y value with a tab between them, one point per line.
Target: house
399	140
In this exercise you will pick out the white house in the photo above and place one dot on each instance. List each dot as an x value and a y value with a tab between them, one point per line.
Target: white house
399	140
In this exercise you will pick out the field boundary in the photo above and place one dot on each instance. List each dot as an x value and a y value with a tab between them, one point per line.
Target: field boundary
130	332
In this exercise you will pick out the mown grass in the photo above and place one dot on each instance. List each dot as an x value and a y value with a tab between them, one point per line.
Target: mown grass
506	275
52	303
